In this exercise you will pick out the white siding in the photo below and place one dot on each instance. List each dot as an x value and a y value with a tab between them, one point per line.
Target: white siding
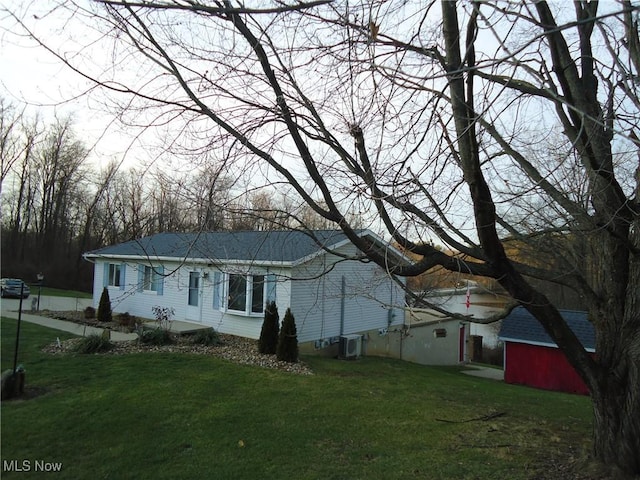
140	303
369	297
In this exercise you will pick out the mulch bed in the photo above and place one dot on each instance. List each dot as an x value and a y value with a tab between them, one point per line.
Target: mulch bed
235	349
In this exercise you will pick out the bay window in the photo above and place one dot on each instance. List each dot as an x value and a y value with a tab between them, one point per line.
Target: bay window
245	294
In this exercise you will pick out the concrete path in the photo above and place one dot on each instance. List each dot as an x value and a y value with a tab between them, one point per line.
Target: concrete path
10	309
484	372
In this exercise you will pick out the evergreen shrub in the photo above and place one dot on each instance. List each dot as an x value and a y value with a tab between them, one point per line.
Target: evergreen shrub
104	307
287	349
268	342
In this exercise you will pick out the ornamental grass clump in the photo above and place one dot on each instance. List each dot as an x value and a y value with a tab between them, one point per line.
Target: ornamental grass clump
157	336
268	342
94	343
287	349
208	337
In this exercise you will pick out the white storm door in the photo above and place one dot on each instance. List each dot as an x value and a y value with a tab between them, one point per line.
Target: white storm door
194	297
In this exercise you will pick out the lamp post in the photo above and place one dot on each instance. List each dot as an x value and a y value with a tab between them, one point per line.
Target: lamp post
40	278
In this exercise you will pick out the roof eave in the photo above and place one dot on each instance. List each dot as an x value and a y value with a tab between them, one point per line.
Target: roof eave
190	260
536	343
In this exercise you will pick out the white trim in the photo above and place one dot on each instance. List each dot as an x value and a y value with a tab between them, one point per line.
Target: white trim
247	313
189	261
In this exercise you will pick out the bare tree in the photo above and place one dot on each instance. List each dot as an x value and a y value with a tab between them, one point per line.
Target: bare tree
435	123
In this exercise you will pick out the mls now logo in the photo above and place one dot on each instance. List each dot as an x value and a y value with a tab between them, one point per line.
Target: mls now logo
28	466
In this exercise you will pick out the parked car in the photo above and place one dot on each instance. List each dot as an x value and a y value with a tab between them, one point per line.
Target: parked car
10	288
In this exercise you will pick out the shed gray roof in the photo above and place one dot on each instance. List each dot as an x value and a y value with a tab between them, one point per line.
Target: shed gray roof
520	326
258	246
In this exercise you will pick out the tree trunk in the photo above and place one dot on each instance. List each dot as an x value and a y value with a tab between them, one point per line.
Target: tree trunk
616	407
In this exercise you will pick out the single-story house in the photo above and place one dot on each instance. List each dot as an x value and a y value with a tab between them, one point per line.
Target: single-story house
532	358
224	279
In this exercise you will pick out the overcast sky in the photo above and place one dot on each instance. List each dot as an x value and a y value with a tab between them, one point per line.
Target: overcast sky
33	78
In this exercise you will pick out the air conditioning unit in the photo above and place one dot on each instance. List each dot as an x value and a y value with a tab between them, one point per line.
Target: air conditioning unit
350	346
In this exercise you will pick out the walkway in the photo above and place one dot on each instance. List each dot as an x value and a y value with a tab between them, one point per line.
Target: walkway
62	304
484	372
10	310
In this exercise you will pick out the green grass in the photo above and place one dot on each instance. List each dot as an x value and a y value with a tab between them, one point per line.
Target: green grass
177	416
56	292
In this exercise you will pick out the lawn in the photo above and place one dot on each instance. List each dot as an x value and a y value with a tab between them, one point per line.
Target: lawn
183	416
56	292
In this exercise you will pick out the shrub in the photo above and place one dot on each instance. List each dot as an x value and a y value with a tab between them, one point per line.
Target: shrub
287	349
126	320
164	316
206	337
104	307
94	343
89	313
157	336
268	342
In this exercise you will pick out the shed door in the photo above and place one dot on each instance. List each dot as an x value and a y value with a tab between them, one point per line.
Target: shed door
462	344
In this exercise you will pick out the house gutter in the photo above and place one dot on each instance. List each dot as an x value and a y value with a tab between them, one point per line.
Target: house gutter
193	261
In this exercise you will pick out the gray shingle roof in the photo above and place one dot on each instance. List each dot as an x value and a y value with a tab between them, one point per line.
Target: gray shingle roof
521	326
267	246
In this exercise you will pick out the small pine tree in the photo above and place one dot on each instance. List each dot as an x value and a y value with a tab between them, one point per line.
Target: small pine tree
268	341
287	349
104	307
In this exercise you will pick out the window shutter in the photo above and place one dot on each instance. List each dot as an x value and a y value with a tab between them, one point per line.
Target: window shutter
105	276
271	287
123	269
140	277
217	290
160	271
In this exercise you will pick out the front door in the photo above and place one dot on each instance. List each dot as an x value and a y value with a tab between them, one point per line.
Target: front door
194	293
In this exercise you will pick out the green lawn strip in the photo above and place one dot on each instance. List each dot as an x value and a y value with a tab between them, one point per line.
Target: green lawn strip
188	416
56	292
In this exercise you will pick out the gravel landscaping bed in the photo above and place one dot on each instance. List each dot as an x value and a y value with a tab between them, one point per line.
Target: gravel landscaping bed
235	349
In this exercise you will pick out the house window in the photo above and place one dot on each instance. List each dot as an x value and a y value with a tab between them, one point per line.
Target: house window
114	275
246	293
257	297
194	288
151	279
237	293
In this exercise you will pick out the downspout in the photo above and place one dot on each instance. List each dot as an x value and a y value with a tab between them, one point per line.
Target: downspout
201	294
324	297
343	289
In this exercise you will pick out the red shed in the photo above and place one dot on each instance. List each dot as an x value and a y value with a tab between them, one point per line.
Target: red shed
532	358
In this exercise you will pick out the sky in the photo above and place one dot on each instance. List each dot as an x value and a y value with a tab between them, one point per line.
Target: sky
32	76
34	79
